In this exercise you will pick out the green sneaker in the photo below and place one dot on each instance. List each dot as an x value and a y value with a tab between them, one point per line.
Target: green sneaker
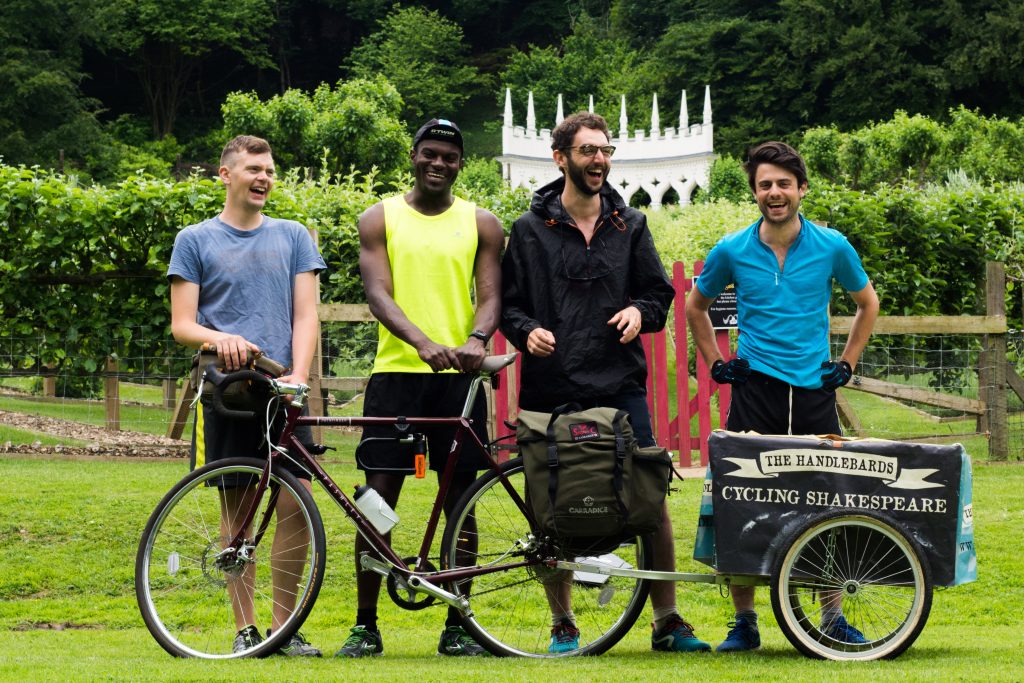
297	646
246	639
362	643
455	642
676	636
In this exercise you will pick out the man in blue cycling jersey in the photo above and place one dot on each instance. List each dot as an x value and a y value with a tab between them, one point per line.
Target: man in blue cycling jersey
784	379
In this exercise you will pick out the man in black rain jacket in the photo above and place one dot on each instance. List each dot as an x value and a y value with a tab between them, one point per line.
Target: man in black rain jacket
581	280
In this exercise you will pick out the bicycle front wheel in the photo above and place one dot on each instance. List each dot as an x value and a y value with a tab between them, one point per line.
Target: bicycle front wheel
863	564
510	608
196	594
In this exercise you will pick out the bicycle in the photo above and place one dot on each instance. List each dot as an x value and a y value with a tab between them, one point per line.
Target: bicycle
189	568
494	563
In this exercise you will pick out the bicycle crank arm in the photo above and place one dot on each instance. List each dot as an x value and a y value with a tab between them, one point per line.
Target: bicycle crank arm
420	584
416	583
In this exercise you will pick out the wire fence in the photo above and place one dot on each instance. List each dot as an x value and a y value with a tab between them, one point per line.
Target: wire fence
911	386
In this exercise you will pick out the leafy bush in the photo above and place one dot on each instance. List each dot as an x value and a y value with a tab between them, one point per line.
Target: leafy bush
727	180
354	125
916	149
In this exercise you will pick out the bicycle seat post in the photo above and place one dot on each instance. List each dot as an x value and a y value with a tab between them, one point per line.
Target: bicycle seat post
491	366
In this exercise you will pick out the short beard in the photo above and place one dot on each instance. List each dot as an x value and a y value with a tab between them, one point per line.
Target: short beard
577	175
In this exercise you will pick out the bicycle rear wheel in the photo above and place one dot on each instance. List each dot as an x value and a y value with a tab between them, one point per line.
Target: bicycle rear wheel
863	563
194	597
510	615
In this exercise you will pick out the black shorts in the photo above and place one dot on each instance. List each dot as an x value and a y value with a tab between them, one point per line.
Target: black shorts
215	436
767	405
390	394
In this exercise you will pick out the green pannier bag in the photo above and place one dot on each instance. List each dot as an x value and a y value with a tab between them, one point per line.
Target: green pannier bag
588	483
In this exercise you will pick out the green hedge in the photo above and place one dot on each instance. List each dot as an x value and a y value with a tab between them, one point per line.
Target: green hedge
925	250
82	268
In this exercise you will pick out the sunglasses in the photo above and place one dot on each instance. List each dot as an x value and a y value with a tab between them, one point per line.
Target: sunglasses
591	150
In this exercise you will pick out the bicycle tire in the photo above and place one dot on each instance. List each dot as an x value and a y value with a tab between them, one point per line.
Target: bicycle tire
509	613
879	573
182	592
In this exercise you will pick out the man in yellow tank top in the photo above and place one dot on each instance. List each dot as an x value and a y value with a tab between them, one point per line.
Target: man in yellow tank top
422	256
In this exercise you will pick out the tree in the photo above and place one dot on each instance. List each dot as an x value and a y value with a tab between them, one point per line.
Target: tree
756	91
165	42
353	125
862	61
587	63
42	108
424	56
984	54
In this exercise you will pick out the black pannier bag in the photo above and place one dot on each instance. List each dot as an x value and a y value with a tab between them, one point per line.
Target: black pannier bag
589	485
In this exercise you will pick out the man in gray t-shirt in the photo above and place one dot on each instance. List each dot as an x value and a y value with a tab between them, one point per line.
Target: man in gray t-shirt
242	283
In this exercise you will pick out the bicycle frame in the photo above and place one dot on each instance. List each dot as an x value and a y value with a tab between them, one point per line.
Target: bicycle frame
288	443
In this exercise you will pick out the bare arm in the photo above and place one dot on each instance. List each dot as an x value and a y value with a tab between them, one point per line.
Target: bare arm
304	321
699	321
863	323
487	275
380	292
233	349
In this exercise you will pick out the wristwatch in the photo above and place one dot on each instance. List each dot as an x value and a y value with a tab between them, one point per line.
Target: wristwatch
480	335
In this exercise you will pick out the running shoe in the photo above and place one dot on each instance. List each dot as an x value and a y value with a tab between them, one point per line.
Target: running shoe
362	643
297	646
565	637
841	630
676	636
246	639
455	642
743	635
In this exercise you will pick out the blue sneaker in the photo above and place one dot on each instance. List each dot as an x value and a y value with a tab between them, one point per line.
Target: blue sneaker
565	637
743	635
841	630
676	636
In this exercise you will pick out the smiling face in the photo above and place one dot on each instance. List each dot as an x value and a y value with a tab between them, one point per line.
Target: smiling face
436	165
778	194
587	174
248	178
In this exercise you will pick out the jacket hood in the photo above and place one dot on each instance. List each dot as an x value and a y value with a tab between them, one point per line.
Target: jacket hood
546	201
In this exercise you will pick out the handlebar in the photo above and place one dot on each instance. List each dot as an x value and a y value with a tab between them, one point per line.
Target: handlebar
222	381
490	366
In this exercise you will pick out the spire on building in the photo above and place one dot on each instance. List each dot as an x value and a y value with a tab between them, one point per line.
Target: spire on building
508	107
655	118
531	117
684	117
707	105
623	121
560	115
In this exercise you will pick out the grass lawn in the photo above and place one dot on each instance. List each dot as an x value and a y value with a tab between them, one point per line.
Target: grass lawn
68	535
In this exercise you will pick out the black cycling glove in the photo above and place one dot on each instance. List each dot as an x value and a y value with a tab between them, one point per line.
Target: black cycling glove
835	374
734	371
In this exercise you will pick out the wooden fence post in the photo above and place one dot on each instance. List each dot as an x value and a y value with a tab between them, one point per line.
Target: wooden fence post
112	394
995	364
170	386
49	382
